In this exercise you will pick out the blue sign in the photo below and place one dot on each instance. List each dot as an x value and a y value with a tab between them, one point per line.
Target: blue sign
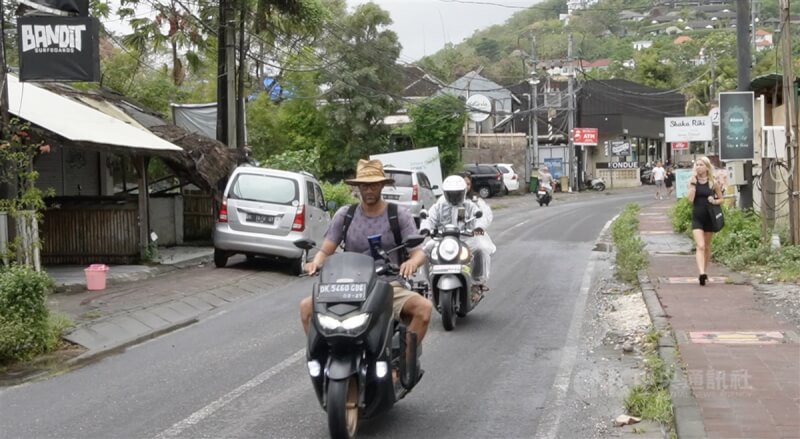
555	166
682	182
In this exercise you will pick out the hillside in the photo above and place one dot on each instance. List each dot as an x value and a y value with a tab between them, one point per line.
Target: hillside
660	43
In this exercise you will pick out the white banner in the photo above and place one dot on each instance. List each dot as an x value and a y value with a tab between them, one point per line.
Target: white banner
688	129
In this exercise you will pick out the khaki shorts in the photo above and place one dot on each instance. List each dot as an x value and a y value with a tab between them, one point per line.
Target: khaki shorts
400	297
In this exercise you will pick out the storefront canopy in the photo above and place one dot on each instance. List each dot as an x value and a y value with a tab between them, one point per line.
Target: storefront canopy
76	121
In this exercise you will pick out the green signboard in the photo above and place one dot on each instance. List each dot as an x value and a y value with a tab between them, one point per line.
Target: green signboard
736	133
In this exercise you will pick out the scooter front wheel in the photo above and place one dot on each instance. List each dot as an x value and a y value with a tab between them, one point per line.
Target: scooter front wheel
448	304
342	407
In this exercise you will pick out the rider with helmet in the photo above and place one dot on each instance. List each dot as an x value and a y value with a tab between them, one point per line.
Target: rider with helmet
446	211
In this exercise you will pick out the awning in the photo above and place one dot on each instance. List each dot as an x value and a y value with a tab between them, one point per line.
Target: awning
76	121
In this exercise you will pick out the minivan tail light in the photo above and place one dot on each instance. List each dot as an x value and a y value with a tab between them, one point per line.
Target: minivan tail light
415	193
299	223
223	211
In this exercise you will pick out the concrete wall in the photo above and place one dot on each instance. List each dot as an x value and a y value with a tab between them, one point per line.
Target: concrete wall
497	148
166	219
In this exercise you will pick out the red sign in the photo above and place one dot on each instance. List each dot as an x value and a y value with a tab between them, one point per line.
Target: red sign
584	136
680	145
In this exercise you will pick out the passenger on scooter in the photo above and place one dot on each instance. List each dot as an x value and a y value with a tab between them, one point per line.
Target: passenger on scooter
370	218
445	211
546	180
475	197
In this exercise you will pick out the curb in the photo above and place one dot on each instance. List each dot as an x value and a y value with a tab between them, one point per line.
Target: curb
686	411
135	277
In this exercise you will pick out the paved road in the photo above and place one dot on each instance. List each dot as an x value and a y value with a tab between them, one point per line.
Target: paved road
239	373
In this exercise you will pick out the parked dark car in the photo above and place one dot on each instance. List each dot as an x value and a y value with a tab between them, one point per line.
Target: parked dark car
487	180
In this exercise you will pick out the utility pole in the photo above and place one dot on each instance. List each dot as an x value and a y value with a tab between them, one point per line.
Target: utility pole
743	62
533	143
790	113
222	98
571	117
230	72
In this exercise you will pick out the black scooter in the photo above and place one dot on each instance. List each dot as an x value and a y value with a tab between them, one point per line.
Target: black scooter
354	344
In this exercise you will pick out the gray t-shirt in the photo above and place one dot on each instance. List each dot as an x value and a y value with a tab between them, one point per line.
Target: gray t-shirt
363	226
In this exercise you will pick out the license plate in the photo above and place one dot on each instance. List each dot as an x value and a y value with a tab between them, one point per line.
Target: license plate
446	269
391	197
343	292
541	192
260	219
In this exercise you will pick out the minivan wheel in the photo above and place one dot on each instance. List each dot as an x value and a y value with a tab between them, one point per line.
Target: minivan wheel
484	192
220	258
299	264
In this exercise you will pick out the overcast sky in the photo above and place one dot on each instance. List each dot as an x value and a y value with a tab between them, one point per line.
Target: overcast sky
424	26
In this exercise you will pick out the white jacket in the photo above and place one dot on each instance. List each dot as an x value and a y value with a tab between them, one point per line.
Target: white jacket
443	213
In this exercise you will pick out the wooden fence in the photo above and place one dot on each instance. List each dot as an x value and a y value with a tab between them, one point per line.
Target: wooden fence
86	235
198	216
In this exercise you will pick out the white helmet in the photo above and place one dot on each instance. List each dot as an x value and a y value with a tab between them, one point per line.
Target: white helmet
454	189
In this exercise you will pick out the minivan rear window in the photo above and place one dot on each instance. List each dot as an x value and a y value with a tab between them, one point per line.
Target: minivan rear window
402	179
264	188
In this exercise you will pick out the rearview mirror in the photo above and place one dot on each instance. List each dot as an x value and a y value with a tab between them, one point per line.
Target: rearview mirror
305	244
331	205
436	186
423	214
478	214
414	240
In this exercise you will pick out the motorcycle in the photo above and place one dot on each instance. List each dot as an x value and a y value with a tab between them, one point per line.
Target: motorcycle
450	271
596	184
543	195
354	343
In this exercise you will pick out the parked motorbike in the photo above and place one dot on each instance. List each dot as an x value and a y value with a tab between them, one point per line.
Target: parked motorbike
543	195
354	343
596	184
450	271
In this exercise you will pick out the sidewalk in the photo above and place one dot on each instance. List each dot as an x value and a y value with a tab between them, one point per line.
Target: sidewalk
742	364
71	278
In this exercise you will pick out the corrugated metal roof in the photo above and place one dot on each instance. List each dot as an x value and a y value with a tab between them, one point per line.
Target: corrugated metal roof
76	121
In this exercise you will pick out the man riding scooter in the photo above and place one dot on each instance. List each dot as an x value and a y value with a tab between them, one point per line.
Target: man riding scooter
446	211
546	182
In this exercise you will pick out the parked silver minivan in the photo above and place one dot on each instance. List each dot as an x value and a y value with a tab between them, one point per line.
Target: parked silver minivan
411	189
264	211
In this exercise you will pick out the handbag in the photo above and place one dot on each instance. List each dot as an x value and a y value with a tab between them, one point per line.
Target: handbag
717	218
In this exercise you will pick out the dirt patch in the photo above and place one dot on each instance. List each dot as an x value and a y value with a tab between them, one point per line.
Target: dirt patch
779	299
41	366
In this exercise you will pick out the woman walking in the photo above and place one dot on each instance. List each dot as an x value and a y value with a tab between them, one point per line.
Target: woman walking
703	190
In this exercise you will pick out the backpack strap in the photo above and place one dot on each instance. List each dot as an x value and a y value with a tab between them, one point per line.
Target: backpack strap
348	218
394	223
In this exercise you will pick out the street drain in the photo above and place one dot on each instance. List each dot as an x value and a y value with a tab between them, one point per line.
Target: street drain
602	247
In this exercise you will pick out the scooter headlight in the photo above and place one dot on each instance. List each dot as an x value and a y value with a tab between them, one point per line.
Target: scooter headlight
354	323
448	249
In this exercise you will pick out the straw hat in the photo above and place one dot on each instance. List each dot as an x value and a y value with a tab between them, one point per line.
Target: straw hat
369	171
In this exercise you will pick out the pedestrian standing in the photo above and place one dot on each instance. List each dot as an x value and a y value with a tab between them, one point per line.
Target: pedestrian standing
703	190
658	174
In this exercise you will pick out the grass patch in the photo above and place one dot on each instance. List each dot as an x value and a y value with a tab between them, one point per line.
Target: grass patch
91	315
630	255
650	399
739	245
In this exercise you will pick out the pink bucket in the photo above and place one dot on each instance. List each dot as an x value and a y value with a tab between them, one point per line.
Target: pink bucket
96	277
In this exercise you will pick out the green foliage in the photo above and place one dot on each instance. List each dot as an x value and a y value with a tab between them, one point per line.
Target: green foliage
294	161
439	122
362	86
630	256
24	328
340	192
681	216
57	325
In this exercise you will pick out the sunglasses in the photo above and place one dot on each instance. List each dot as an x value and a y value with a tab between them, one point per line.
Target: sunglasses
370	186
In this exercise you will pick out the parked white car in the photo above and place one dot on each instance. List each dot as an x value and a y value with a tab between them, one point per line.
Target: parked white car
411	190
510	177
264	211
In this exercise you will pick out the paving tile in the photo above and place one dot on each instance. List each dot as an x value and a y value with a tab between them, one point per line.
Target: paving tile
167	313
211	299
184	309
197	303
150	319
131	324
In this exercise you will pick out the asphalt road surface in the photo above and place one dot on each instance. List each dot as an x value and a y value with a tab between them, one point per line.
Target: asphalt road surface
503	373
